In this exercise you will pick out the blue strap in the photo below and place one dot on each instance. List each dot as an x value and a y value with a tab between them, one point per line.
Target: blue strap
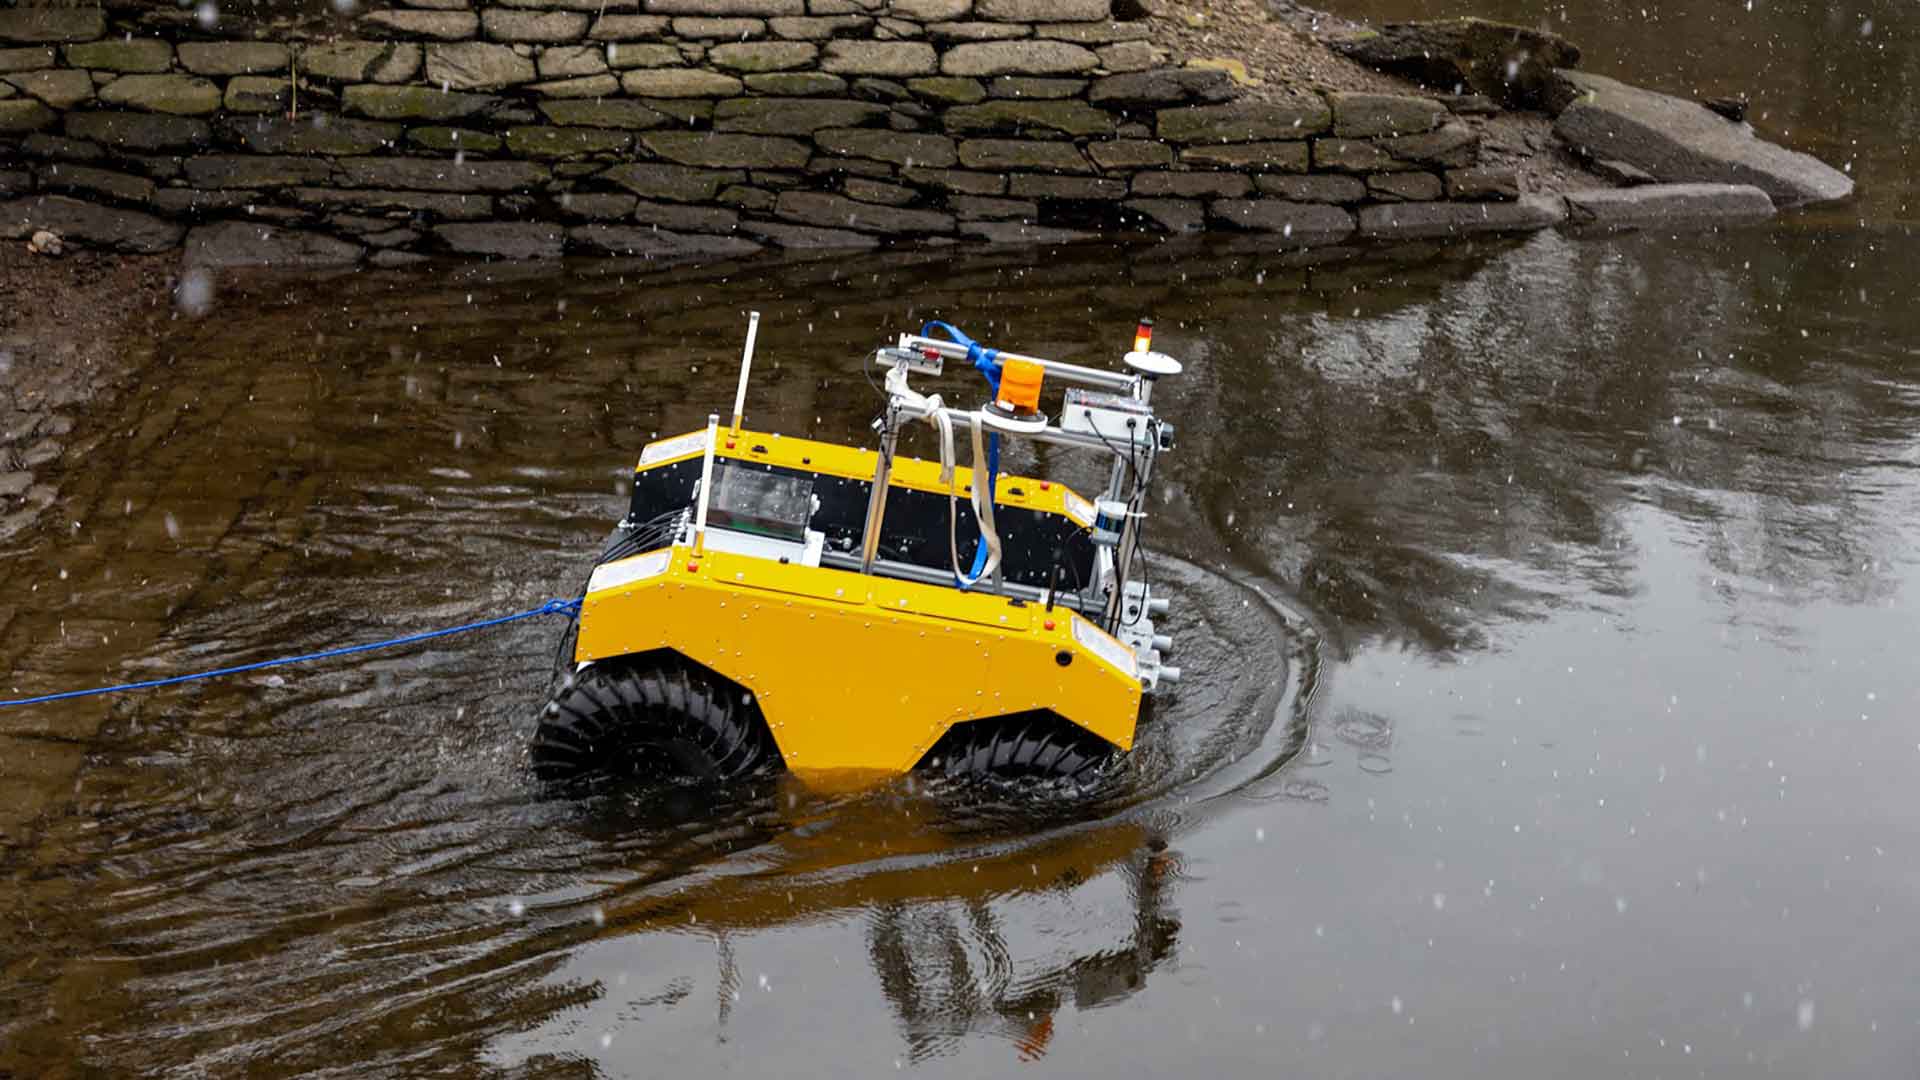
551	607
980	542
985	359
988	362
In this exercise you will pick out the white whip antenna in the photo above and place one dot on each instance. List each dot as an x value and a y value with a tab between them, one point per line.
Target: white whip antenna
706	486
746	366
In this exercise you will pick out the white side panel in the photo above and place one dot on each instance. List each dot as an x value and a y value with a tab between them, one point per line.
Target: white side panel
1098	642
678	446
627	571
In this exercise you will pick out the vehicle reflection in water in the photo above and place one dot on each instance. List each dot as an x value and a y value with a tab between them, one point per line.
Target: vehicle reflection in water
921	952
954	902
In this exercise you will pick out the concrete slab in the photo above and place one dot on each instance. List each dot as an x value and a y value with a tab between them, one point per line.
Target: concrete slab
1663	206
1680	141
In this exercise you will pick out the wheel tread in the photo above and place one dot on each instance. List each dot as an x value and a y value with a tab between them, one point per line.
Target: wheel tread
1025	746
657	716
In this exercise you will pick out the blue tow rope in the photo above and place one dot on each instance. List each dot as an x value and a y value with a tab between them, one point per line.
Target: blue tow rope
551	607
988	362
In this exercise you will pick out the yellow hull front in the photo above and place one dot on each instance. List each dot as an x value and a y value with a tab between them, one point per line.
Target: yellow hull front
860	672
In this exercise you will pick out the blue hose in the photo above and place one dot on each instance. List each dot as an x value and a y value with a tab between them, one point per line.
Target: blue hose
569	608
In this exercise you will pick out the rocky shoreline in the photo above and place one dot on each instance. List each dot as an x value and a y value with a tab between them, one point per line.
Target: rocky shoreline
675	129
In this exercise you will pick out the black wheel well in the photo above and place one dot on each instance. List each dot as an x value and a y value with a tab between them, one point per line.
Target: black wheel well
1052	723
665	655
566	739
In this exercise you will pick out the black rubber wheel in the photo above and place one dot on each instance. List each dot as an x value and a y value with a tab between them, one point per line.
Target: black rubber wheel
1025	747
653	718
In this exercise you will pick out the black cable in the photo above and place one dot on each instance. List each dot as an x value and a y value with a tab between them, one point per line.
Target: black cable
1079	583
1053	573
1140	554
866	368
642	537
1121	573
638	538
572	634
1132	470
1140	537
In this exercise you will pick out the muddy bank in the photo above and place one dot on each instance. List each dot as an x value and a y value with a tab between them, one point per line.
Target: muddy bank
75	332
71	329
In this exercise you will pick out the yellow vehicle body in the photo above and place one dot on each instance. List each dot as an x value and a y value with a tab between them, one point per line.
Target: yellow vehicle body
859	672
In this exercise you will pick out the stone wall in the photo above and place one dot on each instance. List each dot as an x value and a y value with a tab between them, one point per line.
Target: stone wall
533	128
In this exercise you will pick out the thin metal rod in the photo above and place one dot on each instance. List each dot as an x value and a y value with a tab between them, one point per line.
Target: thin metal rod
746	365
706	485
952	350
877	499
1129	543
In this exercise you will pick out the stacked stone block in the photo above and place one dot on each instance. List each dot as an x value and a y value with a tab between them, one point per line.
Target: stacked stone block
533	128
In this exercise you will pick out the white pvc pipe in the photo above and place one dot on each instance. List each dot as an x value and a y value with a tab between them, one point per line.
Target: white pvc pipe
746	365
706	486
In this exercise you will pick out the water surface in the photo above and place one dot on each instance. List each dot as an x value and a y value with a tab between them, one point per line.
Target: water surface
1547	610
1599	758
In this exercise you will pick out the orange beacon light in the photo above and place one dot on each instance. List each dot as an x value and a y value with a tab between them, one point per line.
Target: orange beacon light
1020	387
1143	337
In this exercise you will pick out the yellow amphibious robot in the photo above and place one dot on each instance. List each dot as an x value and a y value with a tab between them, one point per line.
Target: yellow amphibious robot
772	602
